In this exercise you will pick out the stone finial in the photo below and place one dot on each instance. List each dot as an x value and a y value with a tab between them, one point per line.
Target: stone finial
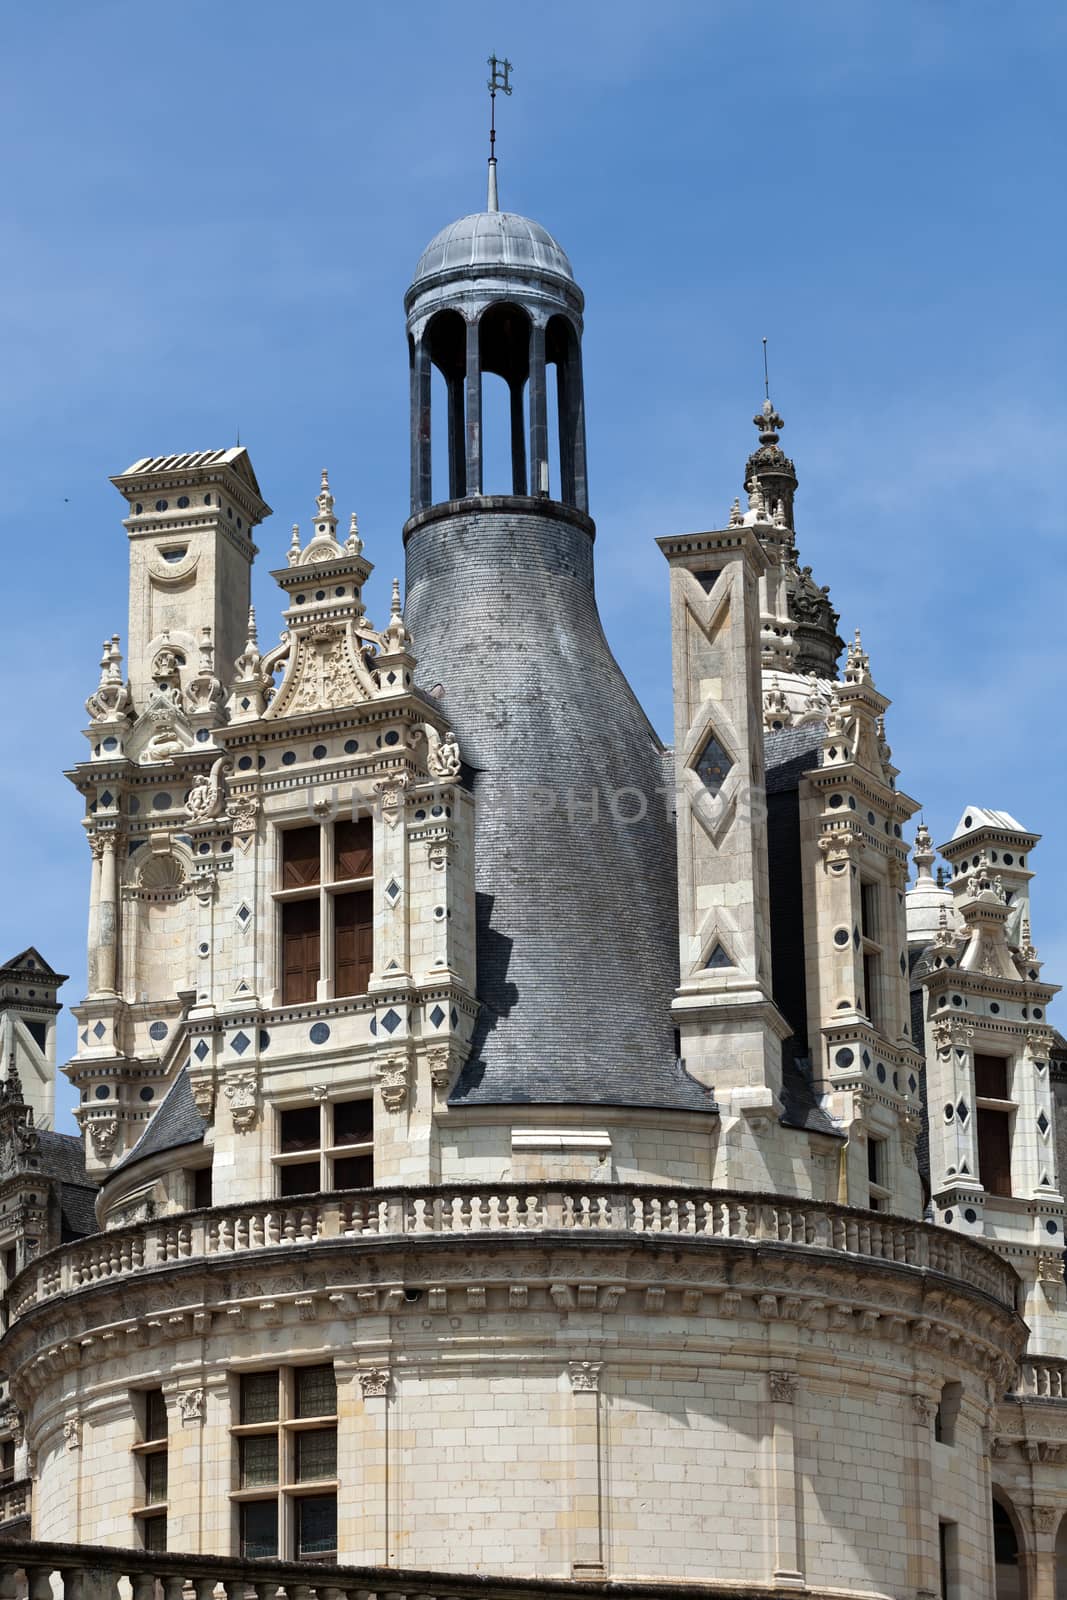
857	662
924	854
324	500
768	422
354	544
756	505
736	519
779	513
293	554
395	637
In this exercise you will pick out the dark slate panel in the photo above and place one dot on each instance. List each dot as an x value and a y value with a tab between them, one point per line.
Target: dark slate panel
576	916
177	1122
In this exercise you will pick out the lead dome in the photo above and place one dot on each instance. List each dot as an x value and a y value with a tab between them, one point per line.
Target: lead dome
493	239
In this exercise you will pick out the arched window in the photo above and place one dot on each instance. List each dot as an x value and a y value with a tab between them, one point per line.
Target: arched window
564	353
504	351
1007	1553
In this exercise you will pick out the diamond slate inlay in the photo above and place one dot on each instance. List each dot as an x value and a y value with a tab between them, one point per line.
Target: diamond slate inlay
713	765
961	1110
200	1049
99	1030
391	1021
1042	1122
437	1016
240	1042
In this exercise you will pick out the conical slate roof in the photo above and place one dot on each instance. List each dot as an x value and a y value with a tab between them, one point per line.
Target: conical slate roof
577	920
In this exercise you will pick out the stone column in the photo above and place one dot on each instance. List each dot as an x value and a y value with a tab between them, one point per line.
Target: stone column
421	465
538	412
457	465
108	917
96	845
586	1491
474	410
374	1453
577	386
518	439
1041	1561
783	1472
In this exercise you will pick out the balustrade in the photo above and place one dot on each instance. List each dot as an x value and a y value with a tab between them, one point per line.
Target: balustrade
500	1209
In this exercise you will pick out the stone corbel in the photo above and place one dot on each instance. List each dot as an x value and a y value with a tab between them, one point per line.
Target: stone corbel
390	792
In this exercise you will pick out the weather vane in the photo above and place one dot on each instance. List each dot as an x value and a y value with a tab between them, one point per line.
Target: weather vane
499	78
766	375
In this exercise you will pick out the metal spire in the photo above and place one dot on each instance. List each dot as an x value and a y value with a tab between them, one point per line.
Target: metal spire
499	78
766	374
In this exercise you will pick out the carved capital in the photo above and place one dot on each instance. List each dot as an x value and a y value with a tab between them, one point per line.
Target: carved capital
243	809
584	1376
922	1409
783	1387
374	1383
104	1132
1046	1518
390	792
393	1082
72	1432
242	1093
191	1406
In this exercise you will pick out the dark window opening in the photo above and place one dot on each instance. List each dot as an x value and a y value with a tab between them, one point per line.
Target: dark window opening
353	1172
316	1527
353	1122
259	1529
991	1077
258	1460
155	1415
316	1391
994	1150
259	1397
299	1130
302	1177
154	1531
316	1455
202	1188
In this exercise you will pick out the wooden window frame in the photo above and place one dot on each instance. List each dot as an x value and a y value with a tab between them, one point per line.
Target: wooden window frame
325	892
327	1152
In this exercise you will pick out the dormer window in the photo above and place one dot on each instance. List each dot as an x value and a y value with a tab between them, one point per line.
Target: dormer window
326	904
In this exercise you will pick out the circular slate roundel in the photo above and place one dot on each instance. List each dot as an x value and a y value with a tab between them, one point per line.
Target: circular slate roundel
969	1215
320	1032
844	1058
148	1094
351	746
102	1091
158	1030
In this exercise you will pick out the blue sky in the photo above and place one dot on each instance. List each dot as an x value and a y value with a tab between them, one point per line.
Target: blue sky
211	212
